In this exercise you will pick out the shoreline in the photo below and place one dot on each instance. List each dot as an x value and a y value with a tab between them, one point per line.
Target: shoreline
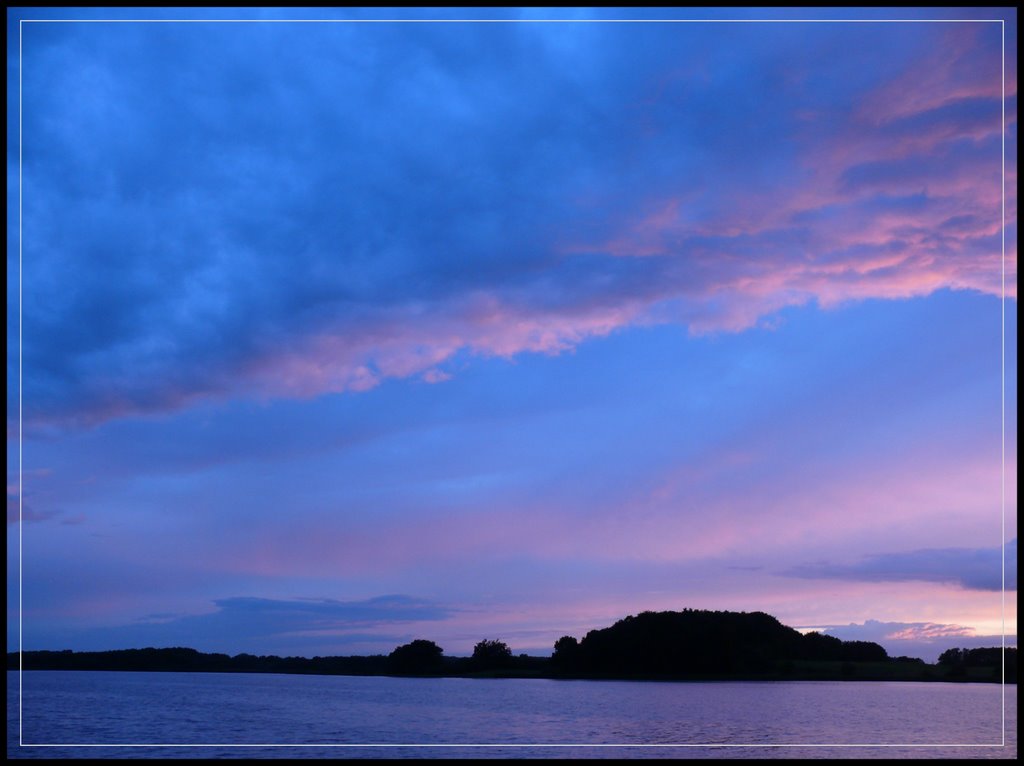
866	677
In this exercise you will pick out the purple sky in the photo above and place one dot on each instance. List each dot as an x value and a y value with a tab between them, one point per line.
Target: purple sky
340	335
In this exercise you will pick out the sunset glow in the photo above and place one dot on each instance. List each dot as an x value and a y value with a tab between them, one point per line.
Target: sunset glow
336	335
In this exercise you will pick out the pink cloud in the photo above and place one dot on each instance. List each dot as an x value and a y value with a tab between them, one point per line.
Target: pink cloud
960	67
436	376
414	342
929	632
679	516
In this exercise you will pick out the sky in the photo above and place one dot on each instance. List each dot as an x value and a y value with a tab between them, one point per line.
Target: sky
331	336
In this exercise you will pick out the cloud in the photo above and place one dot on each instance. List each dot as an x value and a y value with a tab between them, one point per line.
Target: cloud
29	513
323	614
25	512
269	211
916	639
265	625
972	568
953	118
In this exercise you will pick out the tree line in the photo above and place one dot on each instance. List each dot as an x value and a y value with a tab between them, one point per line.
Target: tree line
964	663
686	644
420	657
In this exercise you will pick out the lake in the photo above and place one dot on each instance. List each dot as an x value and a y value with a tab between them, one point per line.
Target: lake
802	719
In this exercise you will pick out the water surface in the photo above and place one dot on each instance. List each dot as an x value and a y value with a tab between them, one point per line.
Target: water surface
265	715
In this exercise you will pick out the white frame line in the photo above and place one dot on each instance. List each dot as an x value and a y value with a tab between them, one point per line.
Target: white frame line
1002	378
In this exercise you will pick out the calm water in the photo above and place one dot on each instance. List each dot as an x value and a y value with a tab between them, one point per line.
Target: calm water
218	709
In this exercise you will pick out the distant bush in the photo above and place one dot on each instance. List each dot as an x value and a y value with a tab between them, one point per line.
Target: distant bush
492	654
418	657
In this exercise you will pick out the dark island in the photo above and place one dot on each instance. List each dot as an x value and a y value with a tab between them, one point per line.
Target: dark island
691	645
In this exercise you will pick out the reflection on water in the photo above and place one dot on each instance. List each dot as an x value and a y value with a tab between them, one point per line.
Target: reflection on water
339	716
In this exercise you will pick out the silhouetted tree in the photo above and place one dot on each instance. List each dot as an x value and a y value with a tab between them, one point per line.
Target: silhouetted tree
817	646
957	661
566	651
687	644
492	654
420	656
953	657
864	651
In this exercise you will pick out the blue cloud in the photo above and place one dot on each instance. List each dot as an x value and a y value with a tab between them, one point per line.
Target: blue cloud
263	626
200	200
972	568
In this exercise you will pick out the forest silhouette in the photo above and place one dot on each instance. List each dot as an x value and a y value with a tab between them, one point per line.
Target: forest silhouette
685	645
